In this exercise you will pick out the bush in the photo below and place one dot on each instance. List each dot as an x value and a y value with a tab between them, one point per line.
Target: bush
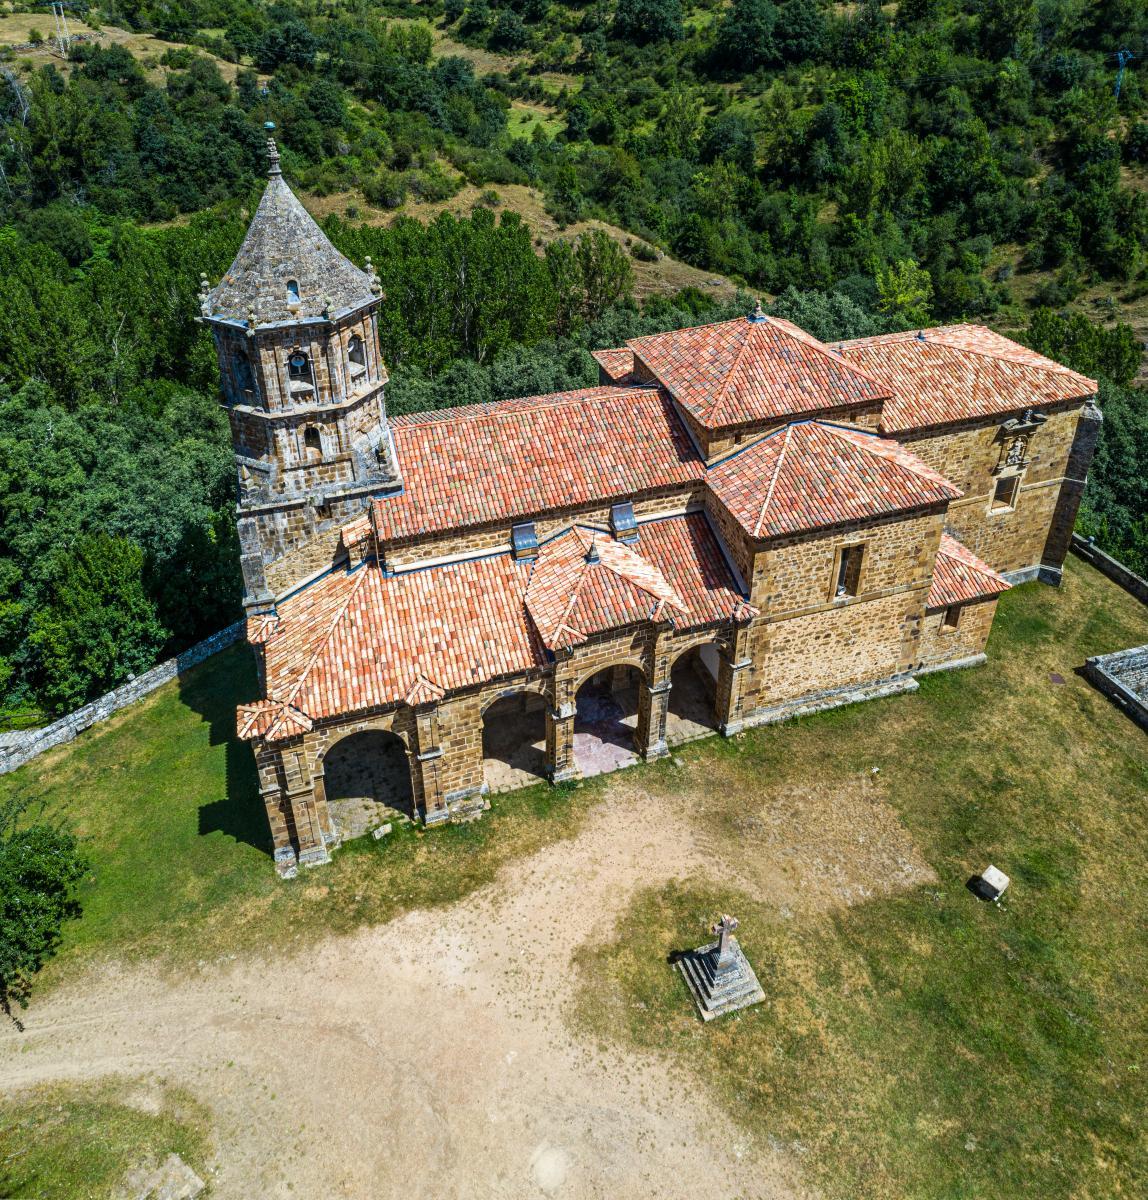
40	865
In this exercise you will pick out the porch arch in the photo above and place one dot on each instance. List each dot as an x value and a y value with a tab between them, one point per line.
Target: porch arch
693	701
607	704
367	779
514	739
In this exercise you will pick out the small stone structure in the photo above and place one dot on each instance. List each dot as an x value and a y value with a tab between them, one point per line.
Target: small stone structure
1123	677
718	974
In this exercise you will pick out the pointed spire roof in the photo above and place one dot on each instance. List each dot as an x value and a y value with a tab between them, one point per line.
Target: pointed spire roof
287	270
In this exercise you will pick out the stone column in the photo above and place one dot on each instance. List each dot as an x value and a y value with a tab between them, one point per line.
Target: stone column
428	757
560	764
734	663
653	708
279	814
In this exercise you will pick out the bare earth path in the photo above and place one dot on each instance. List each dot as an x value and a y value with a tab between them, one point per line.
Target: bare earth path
425	1058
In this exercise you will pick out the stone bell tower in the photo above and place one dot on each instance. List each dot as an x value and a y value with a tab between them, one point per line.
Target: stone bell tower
296	333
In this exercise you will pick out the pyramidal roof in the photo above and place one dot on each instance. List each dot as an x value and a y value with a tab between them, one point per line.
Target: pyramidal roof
287	270
754	368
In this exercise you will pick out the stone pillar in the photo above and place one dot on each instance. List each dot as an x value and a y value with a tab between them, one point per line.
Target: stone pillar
734	664
560	764
653	708
654	701
280	818
1059	538
428	757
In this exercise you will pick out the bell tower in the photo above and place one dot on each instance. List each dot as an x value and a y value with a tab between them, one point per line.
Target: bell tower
295	326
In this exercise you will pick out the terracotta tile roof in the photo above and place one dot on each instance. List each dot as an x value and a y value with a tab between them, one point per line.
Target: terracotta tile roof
747	370
517	459
812	474
958	372
959	576
618	364
687	552
585	582
360	639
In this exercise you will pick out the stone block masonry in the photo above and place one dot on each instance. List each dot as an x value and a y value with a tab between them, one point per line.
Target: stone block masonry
22	748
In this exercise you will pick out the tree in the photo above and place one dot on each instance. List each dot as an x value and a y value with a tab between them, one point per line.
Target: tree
745	40
905	291
40	866
99	627
644	21
1086	346
829	316
509	32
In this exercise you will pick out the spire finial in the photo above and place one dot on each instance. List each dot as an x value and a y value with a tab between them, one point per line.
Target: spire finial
592	555
272	151
758	313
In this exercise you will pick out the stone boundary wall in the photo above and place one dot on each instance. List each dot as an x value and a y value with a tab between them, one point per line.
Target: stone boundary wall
1123	677
16	749
1107	565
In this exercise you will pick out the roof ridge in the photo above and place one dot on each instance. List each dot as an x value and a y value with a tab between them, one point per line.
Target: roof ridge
824	348
1045	363
773	480
720	396
499	408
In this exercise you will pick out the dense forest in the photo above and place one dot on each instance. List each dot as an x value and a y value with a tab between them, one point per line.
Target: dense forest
872	167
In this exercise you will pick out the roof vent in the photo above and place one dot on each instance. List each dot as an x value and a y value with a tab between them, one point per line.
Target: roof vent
524	540
758	314
921	336
592	555
623	523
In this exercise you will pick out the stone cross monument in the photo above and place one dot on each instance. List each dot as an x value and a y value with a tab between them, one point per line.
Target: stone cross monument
718	974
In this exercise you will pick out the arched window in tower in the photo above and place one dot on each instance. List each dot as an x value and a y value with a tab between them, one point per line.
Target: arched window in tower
292	291
244	378
312	442
356	356
300	381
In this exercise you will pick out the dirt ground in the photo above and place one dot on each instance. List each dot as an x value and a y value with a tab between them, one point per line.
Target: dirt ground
433	1056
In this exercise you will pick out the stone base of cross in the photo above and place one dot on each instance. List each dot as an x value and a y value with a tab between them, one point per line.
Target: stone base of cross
718	974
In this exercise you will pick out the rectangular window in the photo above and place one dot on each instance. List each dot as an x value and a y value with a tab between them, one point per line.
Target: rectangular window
1004	494
952	617
849	571
524	540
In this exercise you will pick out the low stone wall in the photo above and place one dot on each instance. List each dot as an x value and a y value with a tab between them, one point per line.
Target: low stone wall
1123	677
1112	567
18	748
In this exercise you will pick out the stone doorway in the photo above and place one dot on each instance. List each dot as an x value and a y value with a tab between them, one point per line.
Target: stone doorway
606	720
367	782
514	742
693	690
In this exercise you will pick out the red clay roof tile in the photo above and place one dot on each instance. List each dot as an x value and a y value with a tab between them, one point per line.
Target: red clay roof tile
741	371
960	372
467	467
813	474
958	575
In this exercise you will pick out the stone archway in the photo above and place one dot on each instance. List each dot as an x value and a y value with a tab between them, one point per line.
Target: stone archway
693	692
606	720
367	781
514	741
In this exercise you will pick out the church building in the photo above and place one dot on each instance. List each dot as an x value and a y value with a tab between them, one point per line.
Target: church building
737	525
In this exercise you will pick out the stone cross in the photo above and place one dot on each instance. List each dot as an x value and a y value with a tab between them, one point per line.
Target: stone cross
723	929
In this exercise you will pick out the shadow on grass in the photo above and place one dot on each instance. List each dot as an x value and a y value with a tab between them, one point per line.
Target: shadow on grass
213	690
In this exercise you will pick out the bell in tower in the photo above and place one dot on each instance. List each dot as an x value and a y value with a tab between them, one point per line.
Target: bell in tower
296	333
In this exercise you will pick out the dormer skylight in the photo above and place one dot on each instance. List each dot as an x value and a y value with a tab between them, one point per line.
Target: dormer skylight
524	540
292	291
623	523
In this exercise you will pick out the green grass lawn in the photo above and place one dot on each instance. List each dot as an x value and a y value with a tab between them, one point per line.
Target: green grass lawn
929	1044
922	1044
78	1142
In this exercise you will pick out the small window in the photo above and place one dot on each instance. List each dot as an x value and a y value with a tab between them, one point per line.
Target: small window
1004	494
292	291
357	355
849	571
312	441
951	618
524	540
623	523
243	375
